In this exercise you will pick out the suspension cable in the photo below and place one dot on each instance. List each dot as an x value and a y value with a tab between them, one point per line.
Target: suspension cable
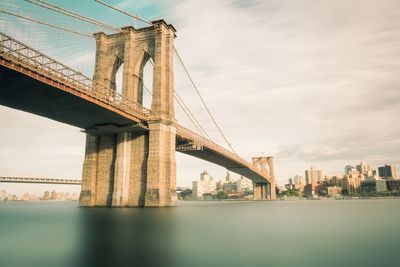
179	99
46	24
187	112
202	100
67	12
75	15
123	12
185	109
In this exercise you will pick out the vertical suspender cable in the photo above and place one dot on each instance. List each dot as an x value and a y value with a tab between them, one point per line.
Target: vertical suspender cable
202	100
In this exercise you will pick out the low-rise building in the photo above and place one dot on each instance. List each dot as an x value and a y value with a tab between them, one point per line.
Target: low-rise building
334	191
244	184
230	187
373	186
393	185
335	180
310	190
3	195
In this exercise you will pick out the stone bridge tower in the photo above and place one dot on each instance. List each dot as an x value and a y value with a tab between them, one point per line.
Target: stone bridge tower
134	168
263	191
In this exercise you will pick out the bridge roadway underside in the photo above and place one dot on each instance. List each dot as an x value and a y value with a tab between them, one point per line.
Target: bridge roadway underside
25	93
22	92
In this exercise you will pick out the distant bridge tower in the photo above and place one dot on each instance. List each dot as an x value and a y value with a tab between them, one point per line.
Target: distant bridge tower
132	168
263	191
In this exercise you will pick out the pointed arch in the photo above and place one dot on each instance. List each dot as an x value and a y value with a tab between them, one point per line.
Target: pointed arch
119	79
142	71
116	66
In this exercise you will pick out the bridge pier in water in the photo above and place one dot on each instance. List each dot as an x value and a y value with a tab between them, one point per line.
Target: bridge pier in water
265	191
130	150
135	168
262	191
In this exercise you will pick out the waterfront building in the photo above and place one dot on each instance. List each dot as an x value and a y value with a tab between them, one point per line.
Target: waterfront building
351	182
12	197
348	169
54	195
3	195
244	184
28	197
393	185
296	183
388	172
314	176
46	195
227	179
310	190
205	185
289	186
333	191
373	186
335	180
230	187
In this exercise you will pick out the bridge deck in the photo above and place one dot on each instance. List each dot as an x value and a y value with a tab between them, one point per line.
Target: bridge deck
35	180
34	83
205	149
23	92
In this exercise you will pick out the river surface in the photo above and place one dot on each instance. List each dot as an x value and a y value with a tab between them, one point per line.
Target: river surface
282	233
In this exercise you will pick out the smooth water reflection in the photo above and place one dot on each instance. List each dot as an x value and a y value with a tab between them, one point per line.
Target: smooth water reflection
282	233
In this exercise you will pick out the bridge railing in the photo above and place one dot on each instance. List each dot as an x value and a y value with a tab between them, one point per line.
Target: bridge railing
210	144
7	179
186	133
34	60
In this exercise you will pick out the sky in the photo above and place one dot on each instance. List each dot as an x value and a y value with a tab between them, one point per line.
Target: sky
309	82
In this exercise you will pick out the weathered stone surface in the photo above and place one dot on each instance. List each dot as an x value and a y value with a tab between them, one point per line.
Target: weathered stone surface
263	191
138	174
134	169
161	166
89	175
105	170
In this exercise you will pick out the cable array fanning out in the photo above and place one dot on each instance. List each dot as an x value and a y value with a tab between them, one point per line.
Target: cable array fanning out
186	71
63	11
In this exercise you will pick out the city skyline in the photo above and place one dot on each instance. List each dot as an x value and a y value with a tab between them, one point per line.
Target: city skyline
344	111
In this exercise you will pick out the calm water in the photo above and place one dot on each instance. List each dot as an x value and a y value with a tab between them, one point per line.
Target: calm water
282	233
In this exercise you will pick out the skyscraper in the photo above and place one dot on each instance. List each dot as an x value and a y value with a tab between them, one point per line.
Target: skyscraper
313	176
363	168
348	169
388	172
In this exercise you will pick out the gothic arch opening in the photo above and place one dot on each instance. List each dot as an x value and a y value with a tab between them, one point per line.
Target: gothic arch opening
148	84
118	79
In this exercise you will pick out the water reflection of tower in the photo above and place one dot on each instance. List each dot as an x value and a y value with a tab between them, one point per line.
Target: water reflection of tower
127	237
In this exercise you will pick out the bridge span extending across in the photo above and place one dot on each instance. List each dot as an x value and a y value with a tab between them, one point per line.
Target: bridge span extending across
130	150
39	180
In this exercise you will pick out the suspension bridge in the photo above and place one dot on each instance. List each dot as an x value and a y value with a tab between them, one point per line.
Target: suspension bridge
130	149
